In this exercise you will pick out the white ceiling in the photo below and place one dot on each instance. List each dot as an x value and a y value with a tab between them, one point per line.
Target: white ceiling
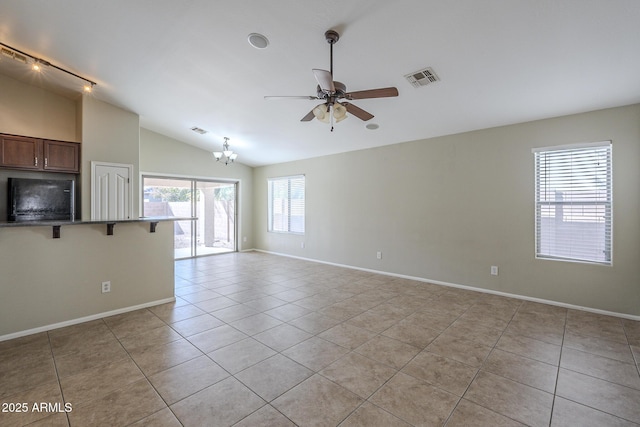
185	63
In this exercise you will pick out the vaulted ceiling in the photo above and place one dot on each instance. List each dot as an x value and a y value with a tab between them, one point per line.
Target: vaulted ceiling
186	63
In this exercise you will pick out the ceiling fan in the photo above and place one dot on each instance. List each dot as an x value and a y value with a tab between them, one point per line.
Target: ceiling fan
334	93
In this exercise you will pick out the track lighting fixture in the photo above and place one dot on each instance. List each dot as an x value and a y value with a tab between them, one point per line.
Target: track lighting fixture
37	64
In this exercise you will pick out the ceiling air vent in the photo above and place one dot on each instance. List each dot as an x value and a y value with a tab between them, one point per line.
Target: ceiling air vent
198	130
422	77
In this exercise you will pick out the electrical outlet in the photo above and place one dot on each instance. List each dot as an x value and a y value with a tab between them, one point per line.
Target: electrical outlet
302	245
379	255
106	287
244	239
494	270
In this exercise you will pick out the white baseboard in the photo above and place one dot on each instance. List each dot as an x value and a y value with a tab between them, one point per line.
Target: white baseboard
83	319
466	287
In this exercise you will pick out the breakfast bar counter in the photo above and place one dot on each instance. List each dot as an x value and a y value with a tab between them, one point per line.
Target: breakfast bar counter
57	225
47	282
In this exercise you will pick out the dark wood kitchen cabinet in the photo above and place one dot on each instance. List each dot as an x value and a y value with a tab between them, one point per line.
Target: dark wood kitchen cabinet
21	152
61	156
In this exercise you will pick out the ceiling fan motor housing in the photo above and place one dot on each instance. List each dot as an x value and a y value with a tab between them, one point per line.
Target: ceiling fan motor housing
332	36
341	90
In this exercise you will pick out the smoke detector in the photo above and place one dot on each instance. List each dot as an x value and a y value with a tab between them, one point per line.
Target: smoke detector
422	77
258	41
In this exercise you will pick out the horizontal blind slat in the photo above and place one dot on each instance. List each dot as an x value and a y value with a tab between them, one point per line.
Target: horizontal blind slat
573	203
286	200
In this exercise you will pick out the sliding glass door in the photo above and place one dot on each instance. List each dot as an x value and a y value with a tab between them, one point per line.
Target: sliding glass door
216	211
212	202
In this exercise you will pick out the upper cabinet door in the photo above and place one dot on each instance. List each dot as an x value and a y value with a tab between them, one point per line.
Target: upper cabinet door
61	156
21	152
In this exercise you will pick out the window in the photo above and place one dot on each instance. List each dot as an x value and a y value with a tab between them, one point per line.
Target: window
573	202
286	204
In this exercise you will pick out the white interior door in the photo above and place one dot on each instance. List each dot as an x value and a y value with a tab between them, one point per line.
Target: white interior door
111	191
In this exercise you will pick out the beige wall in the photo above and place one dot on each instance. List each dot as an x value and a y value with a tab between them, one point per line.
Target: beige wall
161	155
109	134
448	208
31	111
47	281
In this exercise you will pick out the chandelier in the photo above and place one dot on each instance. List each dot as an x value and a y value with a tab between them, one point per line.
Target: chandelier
226	155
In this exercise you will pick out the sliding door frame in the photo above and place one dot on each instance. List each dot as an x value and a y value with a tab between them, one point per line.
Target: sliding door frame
193	186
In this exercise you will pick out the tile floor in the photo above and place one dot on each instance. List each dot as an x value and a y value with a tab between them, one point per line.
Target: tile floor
261	340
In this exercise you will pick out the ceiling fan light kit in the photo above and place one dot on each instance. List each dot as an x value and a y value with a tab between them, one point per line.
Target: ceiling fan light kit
339	112
324	114
321	113
332	92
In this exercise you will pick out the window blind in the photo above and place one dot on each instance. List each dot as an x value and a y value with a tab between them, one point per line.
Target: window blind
573	202
286	202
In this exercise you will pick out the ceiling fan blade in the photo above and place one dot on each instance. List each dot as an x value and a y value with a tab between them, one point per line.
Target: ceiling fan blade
292	97
325	80
310	116
384	92
358	112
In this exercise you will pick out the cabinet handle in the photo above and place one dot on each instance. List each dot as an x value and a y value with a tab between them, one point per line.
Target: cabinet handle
45	162
36	161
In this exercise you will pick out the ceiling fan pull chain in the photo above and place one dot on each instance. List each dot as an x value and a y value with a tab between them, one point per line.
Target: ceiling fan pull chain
331	115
